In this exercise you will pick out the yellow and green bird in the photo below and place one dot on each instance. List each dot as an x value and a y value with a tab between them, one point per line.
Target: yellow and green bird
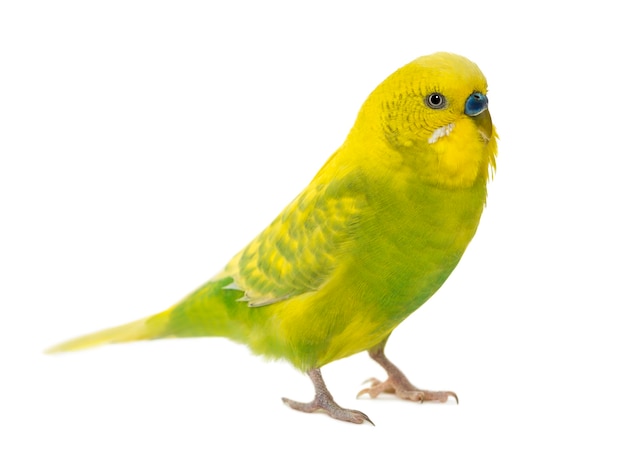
370	239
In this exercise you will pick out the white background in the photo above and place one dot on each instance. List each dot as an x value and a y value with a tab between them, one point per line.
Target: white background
144	143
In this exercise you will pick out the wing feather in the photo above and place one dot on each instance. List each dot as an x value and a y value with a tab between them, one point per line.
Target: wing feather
299	251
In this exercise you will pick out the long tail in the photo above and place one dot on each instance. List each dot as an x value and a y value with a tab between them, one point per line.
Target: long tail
143	329
202	313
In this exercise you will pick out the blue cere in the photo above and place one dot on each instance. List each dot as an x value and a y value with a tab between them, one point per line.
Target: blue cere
476	104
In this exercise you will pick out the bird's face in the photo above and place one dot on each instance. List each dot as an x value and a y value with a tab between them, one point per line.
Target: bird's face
434	113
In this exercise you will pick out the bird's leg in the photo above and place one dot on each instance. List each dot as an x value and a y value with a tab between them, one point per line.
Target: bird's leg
398	384
323	402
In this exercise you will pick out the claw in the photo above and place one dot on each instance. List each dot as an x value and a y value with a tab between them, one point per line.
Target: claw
324	402
405	390
329	407
398	384
371	380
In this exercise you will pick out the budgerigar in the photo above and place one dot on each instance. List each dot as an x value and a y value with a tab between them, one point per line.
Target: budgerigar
372	237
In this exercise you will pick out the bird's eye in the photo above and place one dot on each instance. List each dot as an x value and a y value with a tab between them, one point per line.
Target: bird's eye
436	101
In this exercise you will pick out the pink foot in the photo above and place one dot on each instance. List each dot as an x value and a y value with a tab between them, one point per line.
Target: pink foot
403	389
398	384
324	402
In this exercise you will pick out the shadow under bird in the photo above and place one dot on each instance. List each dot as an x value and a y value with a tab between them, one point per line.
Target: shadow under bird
372	237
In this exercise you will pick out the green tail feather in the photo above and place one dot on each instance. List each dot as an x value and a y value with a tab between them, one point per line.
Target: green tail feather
213	310
206	312
142	329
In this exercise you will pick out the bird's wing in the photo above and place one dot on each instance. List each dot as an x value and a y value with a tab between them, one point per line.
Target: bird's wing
302	247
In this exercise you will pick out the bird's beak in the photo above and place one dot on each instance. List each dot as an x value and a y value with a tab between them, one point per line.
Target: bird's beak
483	123
476	107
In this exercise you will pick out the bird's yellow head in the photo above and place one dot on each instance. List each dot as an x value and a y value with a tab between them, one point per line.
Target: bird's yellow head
430	117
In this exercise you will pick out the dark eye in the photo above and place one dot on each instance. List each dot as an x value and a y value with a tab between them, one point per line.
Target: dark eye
435	101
